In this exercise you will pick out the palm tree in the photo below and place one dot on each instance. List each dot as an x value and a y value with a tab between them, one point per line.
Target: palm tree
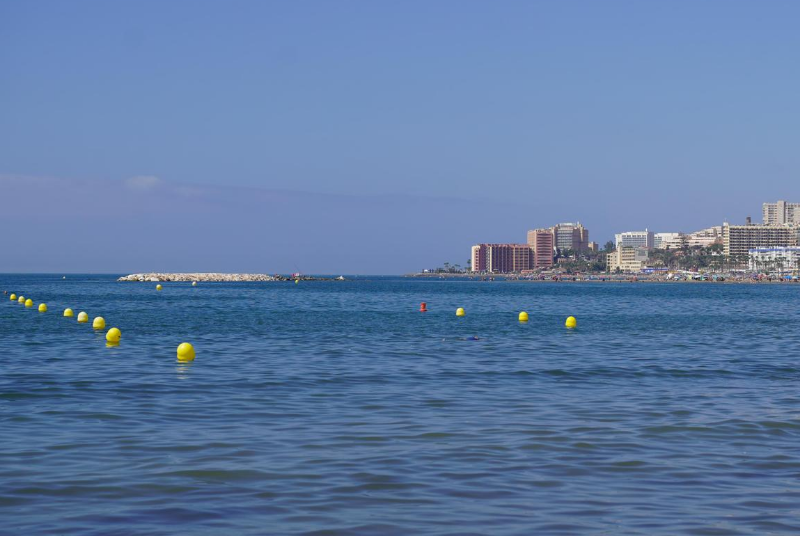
780	262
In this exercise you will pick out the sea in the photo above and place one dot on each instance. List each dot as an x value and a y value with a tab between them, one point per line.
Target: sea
338	408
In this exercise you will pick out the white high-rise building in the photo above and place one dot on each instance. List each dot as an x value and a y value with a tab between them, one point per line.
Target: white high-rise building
781	212
740	239
571	236
635	239
668	240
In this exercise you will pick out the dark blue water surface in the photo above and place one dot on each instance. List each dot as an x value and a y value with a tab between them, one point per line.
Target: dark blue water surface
337	408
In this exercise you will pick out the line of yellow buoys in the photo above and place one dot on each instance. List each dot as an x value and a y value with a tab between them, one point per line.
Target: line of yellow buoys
571	322
185	350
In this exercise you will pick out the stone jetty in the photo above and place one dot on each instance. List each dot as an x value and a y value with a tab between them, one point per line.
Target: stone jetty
157	277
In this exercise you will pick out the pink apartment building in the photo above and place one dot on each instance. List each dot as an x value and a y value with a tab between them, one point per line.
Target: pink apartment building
508	258
540	241
501	258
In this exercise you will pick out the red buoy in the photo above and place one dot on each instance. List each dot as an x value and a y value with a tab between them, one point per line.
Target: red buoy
423	307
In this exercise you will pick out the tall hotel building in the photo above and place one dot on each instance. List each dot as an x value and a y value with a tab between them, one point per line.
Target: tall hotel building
738	240
781	213
668	240
501	258
635	239
541	242
572	236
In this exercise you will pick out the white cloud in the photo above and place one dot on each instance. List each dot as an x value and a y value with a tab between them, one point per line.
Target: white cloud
143	183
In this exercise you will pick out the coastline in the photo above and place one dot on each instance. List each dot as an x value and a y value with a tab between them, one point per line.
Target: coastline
607	278
188	277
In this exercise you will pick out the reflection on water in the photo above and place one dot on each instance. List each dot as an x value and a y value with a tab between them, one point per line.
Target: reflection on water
183	370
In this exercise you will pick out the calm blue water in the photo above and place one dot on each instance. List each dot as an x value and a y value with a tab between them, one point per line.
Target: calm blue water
337	408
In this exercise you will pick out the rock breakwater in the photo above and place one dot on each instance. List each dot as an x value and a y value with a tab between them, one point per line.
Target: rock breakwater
158	277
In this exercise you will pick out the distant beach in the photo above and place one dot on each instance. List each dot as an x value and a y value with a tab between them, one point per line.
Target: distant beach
610	278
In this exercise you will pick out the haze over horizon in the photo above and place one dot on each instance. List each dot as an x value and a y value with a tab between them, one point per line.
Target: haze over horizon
381	138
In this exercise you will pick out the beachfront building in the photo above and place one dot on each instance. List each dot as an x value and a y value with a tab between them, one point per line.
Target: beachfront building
738	240
541	242
627	259
705	237
635	239
780	259
570	236
478	257
781	213
668	240
501	258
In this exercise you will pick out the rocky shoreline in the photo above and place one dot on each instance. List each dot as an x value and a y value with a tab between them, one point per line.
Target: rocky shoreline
158	277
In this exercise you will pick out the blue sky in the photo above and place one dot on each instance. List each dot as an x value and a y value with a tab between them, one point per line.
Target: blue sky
381	137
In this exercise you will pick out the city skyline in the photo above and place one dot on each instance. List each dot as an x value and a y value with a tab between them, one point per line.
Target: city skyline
630	250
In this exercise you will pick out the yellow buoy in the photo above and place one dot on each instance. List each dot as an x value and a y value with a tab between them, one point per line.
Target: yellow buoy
158	287
21	299
194	283
113	336
68	313
460	311
29	303
99	323
523	316
42	307
83	317
571	322
185	352
13	297
296	281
